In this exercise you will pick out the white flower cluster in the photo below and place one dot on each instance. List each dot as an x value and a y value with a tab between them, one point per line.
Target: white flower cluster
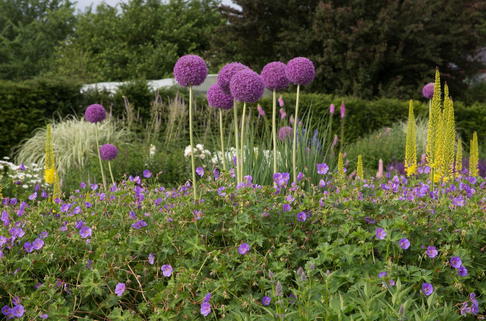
199	152
25	176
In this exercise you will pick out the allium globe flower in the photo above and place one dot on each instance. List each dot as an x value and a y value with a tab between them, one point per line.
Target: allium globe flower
190	70
226	73
284	133
300	71
95	113
246	86
217	98
428	90
274	77
108	152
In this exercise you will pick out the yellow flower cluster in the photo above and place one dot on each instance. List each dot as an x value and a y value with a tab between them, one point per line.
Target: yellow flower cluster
341	165
359	169
411	143
50	173
474	156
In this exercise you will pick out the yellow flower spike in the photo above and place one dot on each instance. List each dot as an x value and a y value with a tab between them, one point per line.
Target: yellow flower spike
458	166
474	156
50	176
359	169
341	165
411	143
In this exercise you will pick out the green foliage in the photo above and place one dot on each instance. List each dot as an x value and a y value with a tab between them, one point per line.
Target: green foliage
361	48
140	39
331	260
29	32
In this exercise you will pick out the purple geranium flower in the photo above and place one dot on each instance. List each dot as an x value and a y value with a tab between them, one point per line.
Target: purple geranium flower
139	224
455	262
382	274
147	173
431	251
200	171
427	289
190	70
322	169
243	248
217	98
274	77
85	231
205	308
301	217
166	270
95	113
37	244
266	300
119	289
151	259
300	71
462	271
246	86
380	233
404	243
108	152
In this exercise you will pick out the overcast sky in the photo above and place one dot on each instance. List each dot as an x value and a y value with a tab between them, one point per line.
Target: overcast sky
83	4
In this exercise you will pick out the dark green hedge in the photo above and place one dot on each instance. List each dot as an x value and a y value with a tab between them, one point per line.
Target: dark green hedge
25	106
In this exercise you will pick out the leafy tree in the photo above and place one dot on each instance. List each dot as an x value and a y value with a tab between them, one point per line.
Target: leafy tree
364	48
140	39
29	30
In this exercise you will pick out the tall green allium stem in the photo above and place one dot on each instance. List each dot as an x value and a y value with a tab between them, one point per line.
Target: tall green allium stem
294	143
111	173
274	131
191	142
222	138
99	156
237	143
242	145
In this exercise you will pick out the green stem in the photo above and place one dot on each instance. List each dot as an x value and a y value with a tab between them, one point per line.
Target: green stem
99	156
274	131
294	143
223	159
111	173
242	145
191	141
237	143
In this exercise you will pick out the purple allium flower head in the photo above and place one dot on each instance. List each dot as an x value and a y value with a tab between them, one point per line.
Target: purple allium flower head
431	251
301	217
243	248
404	243
266	300
119	289
300	71
284	133
247	86
190	70
226	73
342	110
85	232
218	98
380	233
428	90
322	169
283	114
139	224
332	109
95	113
427	289
147	173
462	271
274	77
166	270
205	309
455	262
108	152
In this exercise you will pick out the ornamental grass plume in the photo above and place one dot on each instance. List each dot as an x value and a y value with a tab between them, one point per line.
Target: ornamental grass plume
474	156
245	86
109	152
191	70
359	168
411	143
219	99
95	114
275	79
299	71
